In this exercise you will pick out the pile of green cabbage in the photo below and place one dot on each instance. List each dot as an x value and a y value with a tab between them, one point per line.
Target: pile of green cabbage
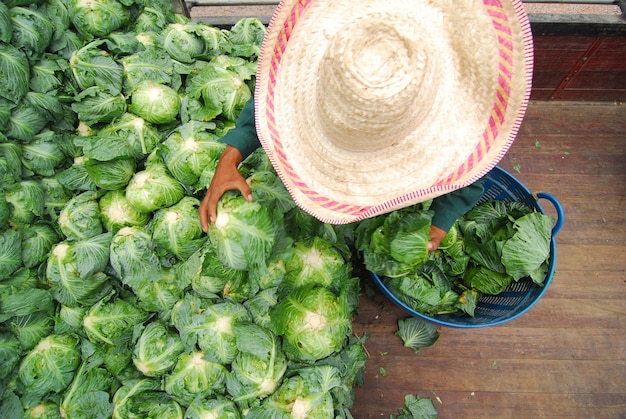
113	302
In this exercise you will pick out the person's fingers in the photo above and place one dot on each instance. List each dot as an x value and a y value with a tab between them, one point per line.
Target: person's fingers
436	236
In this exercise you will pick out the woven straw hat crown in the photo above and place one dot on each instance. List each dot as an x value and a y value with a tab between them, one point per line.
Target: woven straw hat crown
367	106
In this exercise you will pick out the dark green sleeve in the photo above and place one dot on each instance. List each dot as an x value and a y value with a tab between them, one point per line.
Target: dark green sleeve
243	137
449	207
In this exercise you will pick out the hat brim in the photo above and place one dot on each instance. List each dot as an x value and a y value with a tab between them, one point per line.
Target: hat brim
450	149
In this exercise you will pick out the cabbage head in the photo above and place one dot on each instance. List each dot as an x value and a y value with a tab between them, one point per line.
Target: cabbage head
308	394
209	276
74	270
134	258
189	149
258	369
144	398
155	102
161	292
26	201
209	325
314	321
215	407
314	262
183	42
116	212
195	377
98	18
157	349
153	188
140	136
112	321
80	218
50	366
244	232
220	90
177	228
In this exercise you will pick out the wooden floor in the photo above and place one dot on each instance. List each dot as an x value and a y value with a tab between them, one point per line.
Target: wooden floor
566	357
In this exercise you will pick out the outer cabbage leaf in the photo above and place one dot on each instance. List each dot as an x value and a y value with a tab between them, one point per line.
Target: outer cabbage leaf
92	66
37	241
94	105
161	293
111	174
75	177
26	201
268	189
20	296
48	75
150	64
27	119
486	280
10	252
142	137
529	248
209	276
10	353
32	31
246	37
30	329
6	29
10	161
88	394
183	42
44	154
417	333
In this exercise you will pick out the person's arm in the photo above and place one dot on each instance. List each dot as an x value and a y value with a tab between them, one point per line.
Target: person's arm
241	141
243	137
449	207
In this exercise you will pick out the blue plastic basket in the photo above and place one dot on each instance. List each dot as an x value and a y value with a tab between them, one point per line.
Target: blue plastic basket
519	296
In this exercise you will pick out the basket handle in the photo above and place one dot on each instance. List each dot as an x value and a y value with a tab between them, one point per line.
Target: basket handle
559	210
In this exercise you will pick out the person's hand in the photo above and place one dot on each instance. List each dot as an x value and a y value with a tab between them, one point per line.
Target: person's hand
226	178
436	236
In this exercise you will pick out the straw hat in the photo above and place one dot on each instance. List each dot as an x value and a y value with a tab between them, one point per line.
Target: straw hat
368	106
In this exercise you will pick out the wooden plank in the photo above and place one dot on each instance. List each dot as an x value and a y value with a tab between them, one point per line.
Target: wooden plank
471	404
